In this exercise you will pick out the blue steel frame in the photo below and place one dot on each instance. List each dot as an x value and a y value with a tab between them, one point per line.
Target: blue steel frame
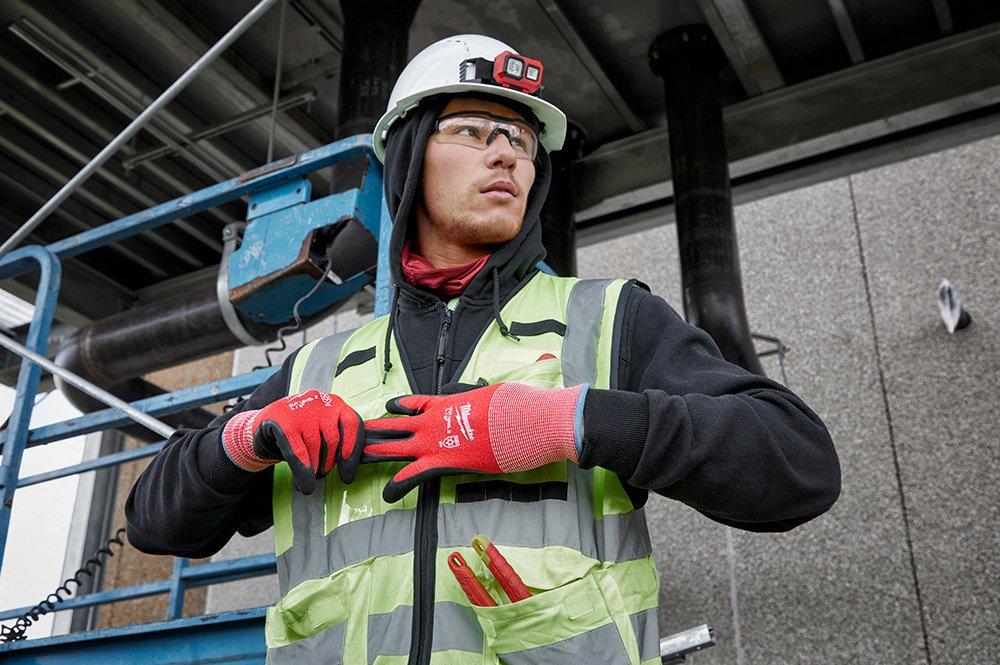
233	637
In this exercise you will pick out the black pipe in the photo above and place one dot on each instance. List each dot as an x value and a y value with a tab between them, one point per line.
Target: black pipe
114	352
145	339
688	59
376	37
558	224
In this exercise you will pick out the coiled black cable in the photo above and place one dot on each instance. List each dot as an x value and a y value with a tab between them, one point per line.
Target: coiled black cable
296	323
17	630
294	326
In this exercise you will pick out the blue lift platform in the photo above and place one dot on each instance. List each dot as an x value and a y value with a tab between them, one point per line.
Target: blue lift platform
279	195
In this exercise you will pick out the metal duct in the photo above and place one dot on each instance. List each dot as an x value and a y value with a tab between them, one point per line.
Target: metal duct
115	351
688	60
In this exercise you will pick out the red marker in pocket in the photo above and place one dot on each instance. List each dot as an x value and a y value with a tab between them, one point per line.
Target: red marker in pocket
504	573
467	579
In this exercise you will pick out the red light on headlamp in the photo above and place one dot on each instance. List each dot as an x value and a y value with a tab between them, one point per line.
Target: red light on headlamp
512	70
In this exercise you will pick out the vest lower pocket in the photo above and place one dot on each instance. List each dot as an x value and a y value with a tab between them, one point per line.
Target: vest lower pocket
327	647
583	621
312	609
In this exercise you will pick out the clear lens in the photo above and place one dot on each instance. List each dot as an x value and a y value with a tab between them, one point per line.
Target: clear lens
479	131
514	67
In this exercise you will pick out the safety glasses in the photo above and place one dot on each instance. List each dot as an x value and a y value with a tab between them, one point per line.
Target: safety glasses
478	129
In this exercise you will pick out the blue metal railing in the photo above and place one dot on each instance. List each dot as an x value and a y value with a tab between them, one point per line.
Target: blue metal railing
241	631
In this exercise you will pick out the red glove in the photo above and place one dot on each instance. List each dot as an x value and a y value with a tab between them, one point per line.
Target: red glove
311	431
501	428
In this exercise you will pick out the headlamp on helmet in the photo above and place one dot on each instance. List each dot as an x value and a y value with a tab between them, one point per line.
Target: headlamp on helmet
469	65
508	70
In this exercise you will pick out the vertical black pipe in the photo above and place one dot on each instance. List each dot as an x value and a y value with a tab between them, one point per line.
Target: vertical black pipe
558	224
376	37
688	59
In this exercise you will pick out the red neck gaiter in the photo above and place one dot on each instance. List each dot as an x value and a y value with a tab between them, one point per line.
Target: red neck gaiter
443	282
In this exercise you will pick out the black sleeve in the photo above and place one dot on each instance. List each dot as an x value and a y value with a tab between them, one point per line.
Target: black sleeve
191	498
740	448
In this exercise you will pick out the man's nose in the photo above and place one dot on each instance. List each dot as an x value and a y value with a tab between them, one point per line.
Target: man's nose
500	153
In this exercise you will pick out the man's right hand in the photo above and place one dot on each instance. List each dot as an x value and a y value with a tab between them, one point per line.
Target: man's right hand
312	431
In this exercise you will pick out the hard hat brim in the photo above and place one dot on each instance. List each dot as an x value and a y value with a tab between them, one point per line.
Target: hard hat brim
552	119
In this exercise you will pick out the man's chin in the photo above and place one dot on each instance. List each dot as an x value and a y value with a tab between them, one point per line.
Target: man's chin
489	230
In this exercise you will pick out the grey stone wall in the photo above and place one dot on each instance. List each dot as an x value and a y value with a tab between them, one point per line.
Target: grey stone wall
905	567
845	273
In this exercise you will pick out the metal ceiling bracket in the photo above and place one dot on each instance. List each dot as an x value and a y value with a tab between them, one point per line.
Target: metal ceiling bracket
847	32
736	30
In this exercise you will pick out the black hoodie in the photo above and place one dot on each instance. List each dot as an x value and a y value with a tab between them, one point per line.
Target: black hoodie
683	422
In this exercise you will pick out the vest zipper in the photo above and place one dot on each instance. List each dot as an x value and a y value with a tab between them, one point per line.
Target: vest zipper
442	339
428	498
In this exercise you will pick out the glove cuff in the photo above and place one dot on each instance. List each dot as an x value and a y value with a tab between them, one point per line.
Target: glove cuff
237	441
531	427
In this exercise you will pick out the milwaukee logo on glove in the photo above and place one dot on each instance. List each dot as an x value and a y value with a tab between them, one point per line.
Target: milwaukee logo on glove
300	401
464	426
520	427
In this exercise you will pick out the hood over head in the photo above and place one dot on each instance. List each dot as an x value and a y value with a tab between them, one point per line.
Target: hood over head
404	158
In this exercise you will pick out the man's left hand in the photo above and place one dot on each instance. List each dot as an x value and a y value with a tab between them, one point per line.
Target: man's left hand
503	428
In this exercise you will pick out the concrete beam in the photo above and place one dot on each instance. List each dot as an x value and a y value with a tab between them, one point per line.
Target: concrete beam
590	63
949	77
113	79
233	85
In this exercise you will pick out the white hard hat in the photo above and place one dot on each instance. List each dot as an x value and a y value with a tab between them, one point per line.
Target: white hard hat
444	67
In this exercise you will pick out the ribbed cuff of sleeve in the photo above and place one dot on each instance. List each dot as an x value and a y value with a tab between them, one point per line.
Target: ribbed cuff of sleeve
615	423
216	466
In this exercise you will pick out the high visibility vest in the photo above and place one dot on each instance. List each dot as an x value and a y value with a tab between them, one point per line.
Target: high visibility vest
345	556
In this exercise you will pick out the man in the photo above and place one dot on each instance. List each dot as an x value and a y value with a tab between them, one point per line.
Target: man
494	399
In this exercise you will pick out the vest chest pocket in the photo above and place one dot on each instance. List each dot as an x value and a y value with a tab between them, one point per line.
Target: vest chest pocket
545	373
583	621
358	381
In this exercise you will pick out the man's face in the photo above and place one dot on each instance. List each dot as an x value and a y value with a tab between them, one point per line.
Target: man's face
475	197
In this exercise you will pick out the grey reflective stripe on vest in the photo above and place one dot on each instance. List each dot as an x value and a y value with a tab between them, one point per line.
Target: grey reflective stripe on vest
600	645
326	646
322	362
647	632
350	543
309	511
308	538
455	628
547	522
535	524
583	328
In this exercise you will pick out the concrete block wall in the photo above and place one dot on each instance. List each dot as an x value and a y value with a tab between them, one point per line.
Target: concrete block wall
129	566
905	567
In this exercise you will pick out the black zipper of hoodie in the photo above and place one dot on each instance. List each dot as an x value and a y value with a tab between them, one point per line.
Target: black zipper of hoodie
428	499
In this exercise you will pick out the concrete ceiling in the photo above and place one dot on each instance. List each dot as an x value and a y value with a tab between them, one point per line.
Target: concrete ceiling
830	86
